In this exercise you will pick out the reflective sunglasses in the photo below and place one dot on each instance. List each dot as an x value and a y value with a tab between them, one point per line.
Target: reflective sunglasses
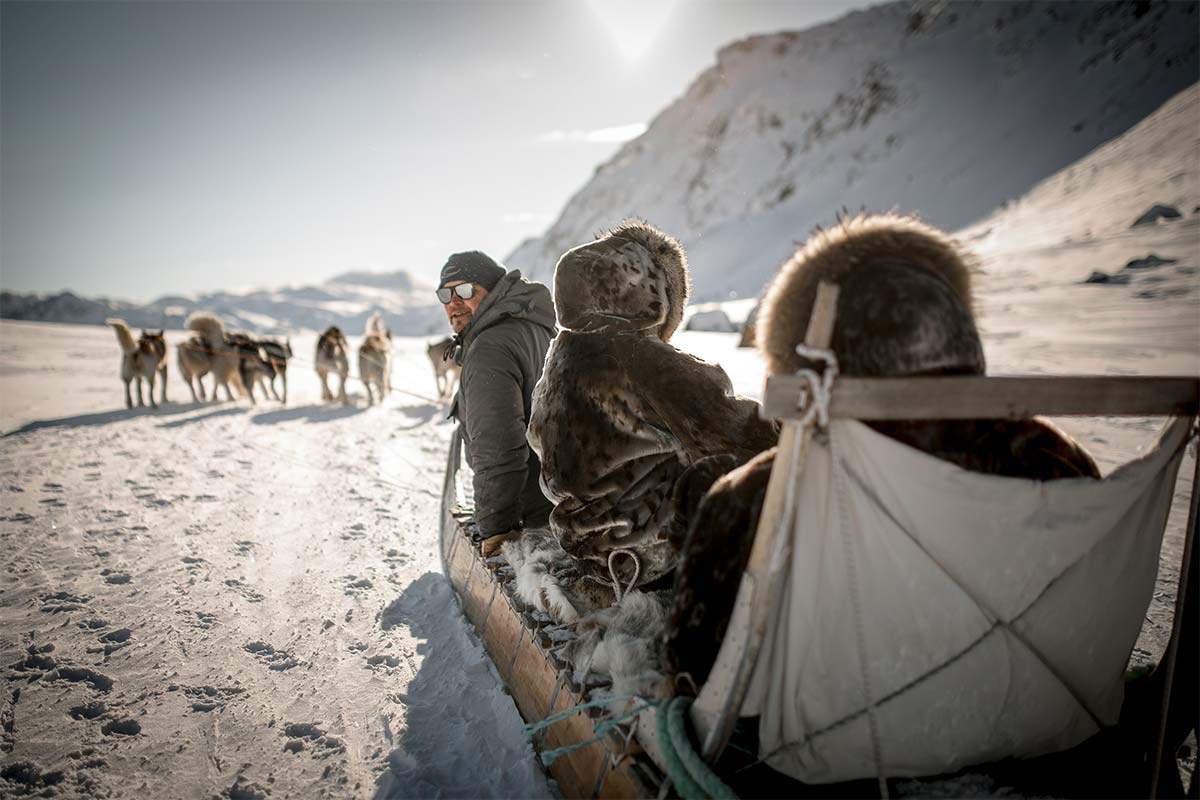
464	290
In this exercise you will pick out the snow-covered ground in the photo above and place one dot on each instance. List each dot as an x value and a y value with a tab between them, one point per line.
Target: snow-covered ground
198	598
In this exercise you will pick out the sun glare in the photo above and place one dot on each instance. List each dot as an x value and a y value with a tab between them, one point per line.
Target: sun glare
634	24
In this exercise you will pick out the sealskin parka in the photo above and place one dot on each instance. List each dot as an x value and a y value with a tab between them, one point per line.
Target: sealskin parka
620	414
502	351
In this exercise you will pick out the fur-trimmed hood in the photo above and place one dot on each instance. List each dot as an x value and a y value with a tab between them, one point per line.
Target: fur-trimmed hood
904	306
634	277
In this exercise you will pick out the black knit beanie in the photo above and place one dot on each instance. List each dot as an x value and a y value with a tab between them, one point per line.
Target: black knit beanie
472	267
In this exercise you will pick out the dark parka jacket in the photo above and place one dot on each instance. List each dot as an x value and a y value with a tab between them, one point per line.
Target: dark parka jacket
502	351
620	414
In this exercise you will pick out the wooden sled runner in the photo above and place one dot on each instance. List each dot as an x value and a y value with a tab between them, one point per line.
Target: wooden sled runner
616	767
520	643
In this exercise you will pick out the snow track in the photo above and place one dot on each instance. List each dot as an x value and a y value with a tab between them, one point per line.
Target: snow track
192	600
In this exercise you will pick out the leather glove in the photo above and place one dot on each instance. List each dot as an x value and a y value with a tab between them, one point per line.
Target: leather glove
491	545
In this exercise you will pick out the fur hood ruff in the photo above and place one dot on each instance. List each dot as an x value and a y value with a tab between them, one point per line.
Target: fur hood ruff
904	308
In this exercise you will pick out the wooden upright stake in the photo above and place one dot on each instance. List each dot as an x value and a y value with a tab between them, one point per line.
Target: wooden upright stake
716	709
1178	712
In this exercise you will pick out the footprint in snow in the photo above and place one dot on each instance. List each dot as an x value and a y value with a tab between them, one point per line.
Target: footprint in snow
276	660
61	602
90	710
356	585
121	727
245	591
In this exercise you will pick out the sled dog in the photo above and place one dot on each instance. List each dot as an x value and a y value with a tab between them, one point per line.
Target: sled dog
445	370
375	357
143	359
277	356
253	367
332	357
207	352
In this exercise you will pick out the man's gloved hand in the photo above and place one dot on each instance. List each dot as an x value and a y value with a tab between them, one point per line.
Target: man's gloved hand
491	545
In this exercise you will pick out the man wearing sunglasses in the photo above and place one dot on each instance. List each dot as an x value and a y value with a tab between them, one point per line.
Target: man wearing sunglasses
503	325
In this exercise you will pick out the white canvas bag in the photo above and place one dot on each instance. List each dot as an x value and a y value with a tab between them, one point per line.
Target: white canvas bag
933	618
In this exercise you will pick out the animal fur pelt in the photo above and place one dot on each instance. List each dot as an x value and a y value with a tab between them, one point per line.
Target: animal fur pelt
619	413
540	564
333	357
904	308
374	358
624	641
209	352
905	305
143	359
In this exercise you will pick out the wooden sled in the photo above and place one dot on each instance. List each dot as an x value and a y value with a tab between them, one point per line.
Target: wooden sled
630	765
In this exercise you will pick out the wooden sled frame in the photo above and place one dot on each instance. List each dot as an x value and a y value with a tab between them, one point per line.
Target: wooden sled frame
541	683
715	710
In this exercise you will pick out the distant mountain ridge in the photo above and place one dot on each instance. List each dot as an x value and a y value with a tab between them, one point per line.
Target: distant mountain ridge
346	300
944	109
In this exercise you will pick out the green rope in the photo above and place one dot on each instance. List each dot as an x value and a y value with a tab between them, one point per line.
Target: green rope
534	727
601	730
692	776
676	770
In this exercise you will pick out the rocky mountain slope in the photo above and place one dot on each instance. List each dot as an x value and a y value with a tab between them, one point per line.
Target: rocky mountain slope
943	109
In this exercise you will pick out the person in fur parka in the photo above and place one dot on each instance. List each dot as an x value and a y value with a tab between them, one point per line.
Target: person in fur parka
619	414
904	308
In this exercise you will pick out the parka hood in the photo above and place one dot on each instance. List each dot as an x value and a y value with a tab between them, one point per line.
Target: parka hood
904	306
634	277
513	297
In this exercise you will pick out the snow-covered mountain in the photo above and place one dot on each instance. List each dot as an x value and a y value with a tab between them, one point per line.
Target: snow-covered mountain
943	109
347	300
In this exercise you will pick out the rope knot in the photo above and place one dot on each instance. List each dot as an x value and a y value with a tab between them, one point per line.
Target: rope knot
818	390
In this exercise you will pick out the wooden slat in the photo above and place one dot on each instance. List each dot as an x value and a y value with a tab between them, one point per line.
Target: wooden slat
501	633
480	588
969	397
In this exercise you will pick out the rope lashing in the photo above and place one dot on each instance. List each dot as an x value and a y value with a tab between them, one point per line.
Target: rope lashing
819	387
601	729
692	776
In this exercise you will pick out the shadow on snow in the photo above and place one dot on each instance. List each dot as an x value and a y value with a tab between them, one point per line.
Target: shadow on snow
105	417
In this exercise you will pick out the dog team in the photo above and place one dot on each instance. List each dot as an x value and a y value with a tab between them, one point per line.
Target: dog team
238	361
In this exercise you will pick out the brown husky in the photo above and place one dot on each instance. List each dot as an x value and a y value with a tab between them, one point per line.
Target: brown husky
445	370
332	356
375	358
143	359
208	352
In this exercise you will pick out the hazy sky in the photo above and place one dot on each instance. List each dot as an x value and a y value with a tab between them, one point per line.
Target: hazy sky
151	148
